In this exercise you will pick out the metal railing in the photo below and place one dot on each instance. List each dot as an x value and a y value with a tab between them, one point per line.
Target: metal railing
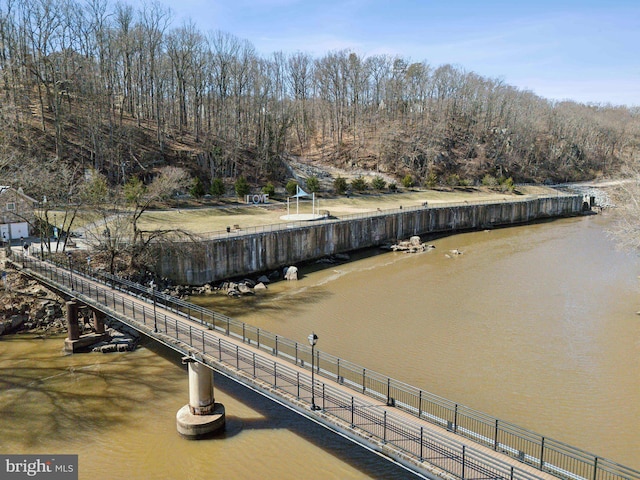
370	421
543	453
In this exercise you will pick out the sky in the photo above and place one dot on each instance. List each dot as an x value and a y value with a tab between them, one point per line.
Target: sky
586	51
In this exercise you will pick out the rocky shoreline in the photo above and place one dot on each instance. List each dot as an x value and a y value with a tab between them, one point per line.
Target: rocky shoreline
28	307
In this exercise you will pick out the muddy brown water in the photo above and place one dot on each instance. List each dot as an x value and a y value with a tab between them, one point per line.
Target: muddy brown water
536	325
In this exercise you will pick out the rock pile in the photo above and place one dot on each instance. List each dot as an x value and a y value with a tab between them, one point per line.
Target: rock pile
413	245
123	339
25	305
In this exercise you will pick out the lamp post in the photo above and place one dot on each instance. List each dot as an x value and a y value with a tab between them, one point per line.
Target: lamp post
70	270
313	339
43	217
153	295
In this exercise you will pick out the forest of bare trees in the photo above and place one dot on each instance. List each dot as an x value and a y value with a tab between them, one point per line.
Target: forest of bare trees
122	90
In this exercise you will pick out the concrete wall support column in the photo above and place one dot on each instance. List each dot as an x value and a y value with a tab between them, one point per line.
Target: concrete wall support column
98	321
201	399
72	321
201	417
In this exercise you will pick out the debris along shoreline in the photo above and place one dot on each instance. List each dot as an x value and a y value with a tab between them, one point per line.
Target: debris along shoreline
28	307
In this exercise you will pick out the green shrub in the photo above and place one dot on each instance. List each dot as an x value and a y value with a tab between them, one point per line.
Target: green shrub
359	184
378	183
242	187
453	180
269	189
313	184
340	185
489	181
431	180
507	185
217	188
393	187
407	181
291	187
197	188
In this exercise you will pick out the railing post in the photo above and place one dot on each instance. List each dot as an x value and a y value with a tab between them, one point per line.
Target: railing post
352	413
275	374
258	337
463	460
495	439
338	374
388	391
276	345
542	453
219	349
243	332
364	373
595	468
421	444
323	405
420	405
384	428
203	344
297	356
237	357
254	365
455	420
190	336
298	379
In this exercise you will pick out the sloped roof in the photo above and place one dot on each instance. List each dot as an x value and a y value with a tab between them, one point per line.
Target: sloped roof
5	188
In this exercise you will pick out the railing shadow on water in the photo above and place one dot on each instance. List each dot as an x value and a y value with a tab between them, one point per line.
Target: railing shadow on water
543	453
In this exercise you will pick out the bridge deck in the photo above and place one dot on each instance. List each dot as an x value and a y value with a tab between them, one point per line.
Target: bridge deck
420	446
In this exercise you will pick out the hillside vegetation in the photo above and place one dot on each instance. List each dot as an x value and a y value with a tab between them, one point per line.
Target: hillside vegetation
103	86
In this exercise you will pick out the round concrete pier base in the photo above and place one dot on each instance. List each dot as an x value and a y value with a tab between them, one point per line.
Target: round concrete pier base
195	427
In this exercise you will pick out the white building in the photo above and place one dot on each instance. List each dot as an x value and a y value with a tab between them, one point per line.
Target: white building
17	214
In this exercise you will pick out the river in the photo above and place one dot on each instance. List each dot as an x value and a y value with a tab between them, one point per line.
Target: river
536	325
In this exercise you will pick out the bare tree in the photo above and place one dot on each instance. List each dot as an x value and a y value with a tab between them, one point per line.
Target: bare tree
627	198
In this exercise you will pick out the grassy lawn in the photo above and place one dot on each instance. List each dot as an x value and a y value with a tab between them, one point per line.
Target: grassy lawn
215	219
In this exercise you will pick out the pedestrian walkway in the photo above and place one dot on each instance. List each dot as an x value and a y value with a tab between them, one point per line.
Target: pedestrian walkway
285	372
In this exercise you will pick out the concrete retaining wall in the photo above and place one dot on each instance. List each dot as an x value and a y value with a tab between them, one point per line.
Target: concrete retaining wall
239	255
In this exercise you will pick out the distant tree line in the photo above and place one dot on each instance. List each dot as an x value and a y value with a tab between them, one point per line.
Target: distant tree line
120	89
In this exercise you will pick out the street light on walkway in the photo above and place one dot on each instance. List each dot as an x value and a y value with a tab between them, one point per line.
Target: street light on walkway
313	339
153	295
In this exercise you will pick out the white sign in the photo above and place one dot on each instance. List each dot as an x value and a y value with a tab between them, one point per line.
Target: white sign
258	198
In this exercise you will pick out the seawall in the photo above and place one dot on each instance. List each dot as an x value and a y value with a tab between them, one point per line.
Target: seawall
197	263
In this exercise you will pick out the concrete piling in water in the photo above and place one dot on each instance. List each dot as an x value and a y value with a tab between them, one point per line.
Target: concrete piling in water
98	321
72	321
202	416
76	342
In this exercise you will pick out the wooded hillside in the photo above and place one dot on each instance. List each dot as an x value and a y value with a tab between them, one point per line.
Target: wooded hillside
124	91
